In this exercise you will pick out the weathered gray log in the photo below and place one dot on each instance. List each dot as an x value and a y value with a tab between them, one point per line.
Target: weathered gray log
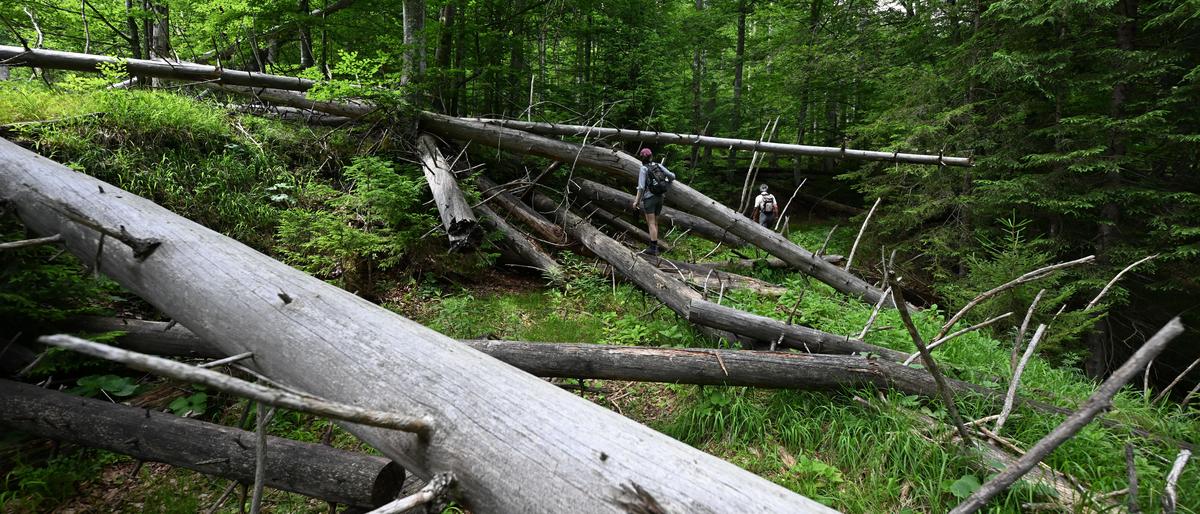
159	68
692	306
712	279
645	136
591	210
317	338
457	219
623	202
349	108
769	262
626	167
593	361
313	470
286	113
528	250
496	195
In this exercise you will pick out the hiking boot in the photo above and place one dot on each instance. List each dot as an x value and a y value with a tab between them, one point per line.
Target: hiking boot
653	248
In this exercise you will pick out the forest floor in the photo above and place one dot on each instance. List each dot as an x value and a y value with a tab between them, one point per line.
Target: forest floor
857	450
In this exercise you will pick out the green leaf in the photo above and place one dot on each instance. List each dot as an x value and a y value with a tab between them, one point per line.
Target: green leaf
965	486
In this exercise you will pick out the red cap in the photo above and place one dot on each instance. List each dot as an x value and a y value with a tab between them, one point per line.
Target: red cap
645	153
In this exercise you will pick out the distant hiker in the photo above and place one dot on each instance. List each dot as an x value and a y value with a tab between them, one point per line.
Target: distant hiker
765	207
654	180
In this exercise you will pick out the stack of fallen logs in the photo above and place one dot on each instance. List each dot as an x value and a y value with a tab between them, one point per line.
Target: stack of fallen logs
302	335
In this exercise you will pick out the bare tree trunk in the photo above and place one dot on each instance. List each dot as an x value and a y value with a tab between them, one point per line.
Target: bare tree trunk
306	46
457	218
414	42
493	194
314	337
313	470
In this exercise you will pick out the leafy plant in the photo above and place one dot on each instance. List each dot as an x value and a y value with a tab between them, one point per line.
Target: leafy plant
192	405
114	385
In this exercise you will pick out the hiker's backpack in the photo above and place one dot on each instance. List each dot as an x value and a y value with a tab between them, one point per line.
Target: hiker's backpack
768	203
657	180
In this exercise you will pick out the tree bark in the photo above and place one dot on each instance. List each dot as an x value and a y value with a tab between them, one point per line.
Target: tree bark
457	218
592	210
495	195
414	42
623	202
305	33
711	279
160	68
330	343
669	138
626	167
528	250
313	470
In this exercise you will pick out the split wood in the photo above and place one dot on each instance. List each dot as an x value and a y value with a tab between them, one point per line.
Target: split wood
861	230
1095	404
1016	378
1170	498
1012	360
227	384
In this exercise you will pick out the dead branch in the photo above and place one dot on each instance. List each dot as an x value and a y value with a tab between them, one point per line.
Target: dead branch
1016	378
861	230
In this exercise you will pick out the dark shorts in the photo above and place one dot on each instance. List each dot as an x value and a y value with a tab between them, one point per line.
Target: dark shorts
766	219
652	205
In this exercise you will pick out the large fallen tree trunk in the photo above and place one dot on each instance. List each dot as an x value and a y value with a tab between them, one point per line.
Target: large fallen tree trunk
783	370
682	196
313	470
496	195
623	202
286	113
526	249
330	343
692	306
161	68
553	129
457	219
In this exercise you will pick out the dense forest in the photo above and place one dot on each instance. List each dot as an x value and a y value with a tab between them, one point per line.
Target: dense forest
1078	118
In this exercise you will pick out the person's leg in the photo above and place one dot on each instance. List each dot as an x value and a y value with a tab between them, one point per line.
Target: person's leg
652	226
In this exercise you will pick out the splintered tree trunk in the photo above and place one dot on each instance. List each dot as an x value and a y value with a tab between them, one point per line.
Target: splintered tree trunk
328	342
528	251
457	218
617	199
313	470
626	167
692	306
497	196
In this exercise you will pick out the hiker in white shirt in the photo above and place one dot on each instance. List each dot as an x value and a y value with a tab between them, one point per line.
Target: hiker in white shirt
766	209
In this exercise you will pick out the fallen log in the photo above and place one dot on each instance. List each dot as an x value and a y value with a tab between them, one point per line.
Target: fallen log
692	306
711	279
313	470
496	195
457	219
314	337
526	249
158	68
694	366
354	109
661	138
623	202
682	196
770	262
592	210
286	113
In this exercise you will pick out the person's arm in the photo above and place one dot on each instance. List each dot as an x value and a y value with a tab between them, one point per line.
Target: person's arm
667	171
637	197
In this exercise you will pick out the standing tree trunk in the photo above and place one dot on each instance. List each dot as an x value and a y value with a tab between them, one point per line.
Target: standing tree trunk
159	37
325	341
414	42
739	65
441	57
1100	344
306	47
